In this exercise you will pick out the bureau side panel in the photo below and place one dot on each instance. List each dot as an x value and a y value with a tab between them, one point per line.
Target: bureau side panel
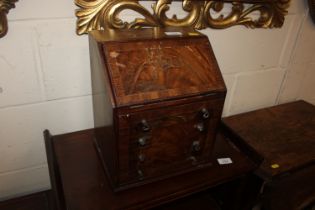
103	109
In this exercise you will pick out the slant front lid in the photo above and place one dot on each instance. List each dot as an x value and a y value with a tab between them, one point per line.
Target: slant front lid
149	65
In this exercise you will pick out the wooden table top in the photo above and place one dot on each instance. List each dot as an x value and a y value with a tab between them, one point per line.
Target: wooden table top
283	135
85	185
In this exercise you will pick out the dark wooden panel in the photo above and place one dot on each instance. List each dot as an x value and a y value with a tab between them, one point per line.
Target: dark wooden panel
294	191
171	141
284	135
144	66
199	201
57	202
86	186
36	201
151	70
103	103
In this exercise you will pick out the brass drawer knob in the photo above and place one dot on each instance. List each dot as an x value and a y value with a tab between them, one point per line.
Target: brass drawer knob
140	174
141	157
196	147
144	125
200	127
205	113
142	141
193	160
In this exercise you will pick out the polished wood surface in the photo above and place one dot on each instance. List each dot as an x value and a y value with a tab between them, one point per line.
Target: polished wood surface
294	191
143	66
36	201
85	185
57	196
169	143
284	135
40	201
145	71
200	201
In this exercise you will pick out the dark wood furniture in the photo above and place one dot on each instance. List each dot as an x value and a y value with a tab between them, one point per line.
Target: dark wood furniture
79	181
285	136
162	93
36	201
311	4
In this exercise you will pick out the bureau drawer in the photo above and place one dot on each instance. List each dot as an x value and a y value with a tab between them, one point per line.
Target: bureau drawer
168	140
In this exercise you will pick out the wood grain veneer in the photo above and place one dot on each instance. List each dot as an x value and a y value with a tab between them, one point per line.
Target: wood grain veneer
162	94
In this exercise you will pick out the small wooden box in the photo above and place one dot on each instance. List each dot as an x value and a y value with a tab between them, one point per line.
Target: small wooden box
162	94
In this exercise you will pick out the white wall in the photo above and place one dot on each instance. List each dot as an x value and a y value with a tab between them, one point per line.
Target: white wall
45	79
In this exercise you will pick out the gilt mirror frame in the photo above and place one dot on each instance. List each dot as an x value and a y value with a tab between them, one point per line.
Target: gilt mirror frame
5	6
100	14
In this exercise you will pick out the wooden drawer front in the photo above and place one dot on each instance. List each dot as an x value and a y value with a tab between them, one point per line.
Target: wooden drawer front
169	140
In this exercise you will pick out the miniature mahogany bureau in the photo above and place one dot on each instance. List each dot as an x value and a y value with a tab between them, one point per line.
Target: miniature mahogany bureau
162	94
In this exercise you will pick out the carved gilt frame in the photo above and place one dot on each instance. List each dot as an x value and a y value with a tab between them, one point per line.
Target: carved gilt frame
5	6
99	14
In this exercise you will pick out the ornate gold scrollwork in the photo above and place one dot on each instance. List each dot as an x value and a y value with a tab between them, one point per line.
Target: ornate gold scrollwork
5	6
98	14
